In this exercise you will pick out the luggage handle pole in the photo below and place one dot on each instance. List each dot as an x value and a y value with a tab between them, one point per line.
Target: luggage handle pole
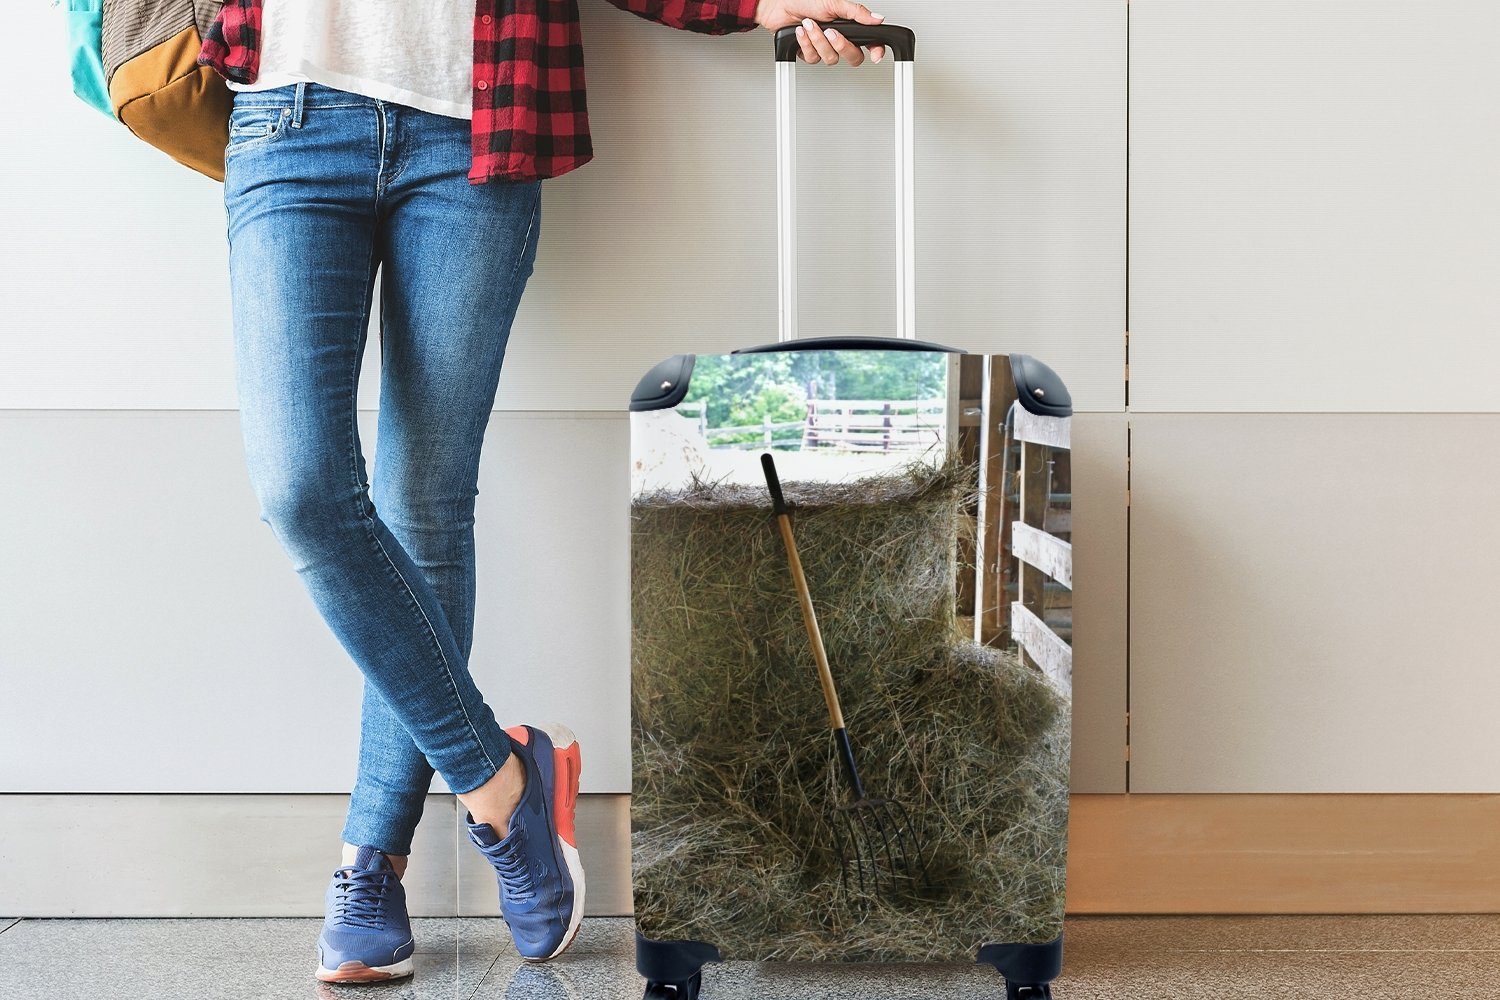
786	202
901	47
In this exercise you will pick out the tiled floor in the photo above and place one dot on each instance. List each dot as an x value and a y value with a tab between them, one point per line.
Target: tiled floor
1213	958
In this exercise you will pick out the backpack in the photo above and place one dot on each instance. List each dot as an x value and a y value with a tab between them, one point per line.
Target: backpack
136	60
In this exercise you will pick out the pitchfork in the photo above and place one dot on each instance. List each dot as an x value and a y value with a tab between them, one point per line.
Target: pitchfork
876	842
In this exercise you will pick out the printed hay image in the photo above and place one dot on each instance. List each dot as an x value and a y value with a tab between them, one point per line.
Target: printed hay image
833	759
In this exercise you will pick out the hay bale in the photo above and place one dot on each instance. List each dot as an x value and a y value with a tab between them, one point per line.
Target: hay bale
734	769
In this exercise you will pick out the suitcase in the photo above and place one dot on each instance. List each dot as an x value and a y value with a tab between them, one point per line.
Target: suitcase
850	640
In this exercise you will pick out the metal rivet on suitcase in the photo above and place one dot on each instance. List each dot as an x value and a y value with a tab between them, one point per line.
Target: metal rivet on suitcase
1038	393
667	385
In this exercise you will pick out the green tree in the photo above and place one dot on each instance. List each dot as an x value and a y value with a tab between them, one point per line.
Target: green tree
745	389
893	375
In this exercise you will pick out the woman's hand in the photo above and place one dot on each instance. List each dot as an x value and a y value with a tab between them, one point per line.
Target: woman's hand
818	45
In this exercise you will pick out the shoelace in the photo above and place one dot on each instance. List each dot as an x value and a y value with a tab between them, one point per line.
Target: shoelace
360	897
515	875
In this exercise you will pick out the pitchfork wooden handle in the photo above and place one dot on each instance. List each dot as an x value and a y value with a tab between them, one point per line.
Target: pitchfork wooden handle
799	579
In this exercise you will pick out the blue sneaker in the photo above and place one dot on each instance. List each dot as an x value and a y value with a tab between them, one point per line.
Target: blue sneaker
541	879
366	933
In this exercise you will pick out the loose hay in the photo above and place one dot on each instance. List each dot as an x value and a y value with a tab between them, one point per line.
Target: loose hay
734	766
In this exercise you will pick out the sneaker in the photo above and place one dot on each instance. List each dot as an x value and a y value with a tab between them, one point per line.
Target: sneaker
541	879
366	932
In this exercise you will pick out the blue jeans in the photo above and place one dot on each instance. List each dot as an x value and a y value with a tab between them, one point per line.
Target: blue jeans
322	188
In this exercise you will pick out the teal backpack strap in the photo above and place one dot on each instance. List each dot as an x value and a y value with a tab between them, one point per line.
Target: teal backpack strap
85	27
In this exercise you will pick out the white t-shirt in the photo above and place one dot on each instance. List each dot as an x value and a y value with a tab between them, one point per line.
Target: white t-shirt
419	53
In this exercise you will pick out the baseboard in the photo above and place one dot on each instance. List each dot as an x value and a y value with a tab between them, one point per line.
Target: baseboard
152	855
1284	854
269	855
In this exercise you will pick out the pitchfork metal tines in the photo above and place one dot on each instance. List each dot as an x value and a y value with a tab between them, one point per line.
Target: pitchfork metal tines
877	844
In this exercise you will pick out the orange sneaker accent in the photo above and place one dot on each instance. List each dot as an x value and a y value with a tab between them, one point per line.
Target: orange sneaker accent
568	762
352	972
520	734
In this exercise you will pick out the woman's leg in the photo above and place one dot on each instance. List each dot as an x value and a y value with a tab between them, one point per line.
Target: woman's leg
305	202
322	187
456	258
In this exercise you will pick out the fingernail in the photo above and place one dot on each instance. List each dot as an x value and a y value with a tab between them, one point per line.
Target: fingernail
878	17
801	31
807	23
830	34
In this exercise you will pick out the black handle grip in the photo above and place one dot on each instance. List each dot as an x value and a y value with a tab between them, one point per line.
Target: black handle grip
773	483
900	42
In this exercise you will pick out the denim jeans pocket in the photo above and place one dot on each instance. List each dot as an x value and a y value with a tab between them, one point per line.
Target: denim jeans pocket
255	126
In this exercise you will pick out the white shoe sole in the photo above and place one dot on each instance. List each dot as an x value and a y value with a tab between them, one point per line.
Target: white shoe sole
562	737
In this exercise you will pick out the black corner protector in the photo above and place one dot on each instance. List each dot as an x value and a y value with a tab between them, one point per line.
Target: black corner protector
1039	388
672	961
1033	964
851	344
664	386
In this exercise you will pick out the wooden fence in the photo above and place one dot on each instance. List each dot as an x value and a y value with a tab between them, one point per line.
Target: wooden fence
839	424
762	435
875	424
1016	575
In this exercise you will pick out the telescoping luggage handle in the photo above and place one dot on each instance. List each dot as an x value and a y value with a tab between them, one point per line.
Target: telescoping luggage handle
900	42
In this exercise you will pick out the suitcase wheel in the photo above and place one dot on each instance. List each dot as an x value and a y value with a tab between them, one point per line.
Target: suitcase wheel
1027	991
685	989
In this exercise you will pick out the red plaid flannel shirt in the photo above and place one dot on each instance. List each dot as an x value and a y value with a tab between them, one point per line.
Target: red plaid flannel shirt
530	118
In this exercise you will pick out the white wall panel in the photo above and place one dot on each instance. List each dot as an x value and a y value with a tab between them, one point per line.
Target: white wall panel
1312	603
112	257
1101	565
153	636
1315	218
552	632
